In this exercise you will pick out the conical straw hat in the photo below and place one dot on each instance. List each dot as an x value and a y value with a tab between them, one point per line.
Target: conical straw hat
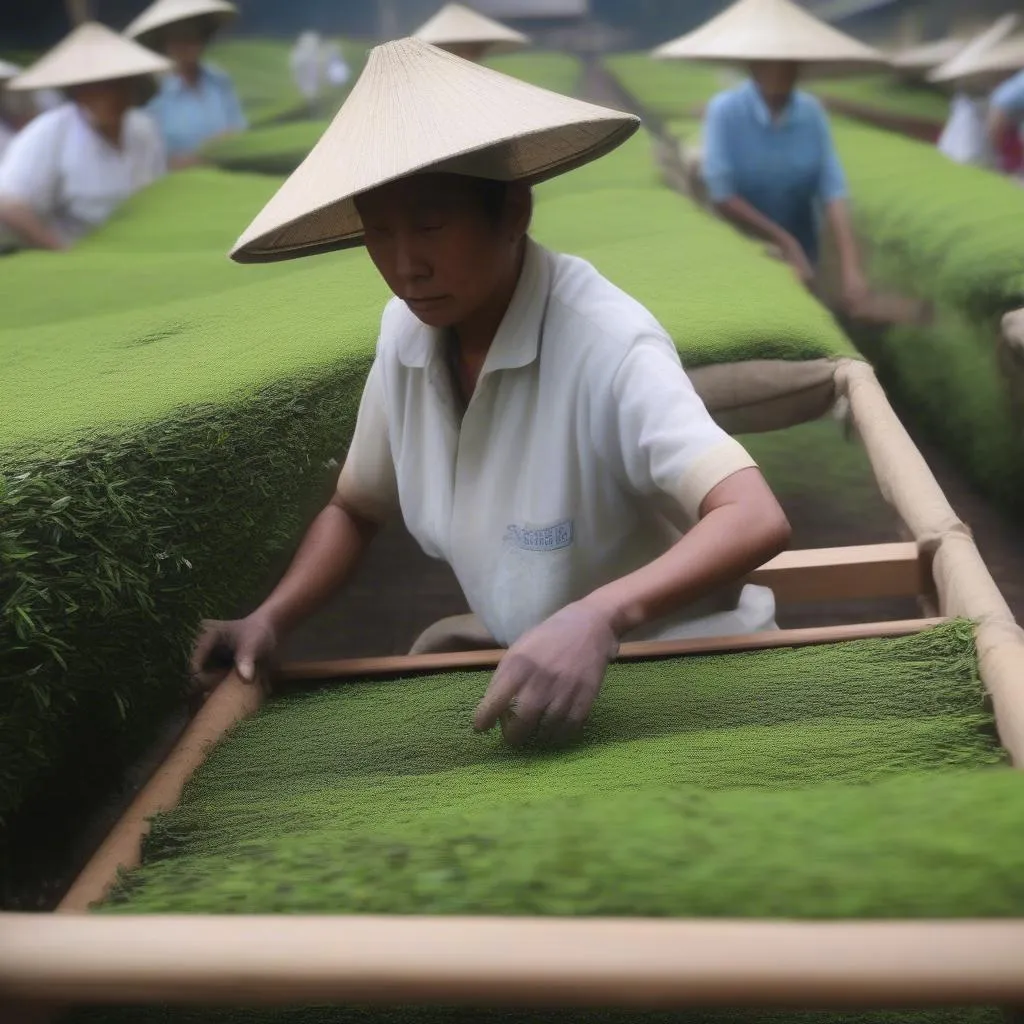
91	53
417	108
166	12
455	25
925	56
8	70
992	66
970	61
753	30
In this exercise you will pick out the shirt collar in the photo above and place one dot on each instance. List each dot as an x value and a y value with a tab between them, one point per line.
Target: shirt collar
762	114
177	84
517	341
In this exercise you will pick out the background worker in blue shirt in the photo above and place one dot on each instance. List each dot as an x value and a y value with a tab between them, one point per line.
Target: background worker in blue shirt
768	161
1006	110
196	102
770	166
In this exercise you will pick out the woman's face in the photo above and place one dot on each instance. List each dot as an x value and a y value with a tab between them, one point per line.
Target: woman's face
776	79
184	43
105	103
439	247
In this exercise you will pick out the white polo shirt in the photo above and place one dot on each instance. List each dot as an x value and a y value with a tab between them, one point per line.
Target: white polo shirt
583	455
71	175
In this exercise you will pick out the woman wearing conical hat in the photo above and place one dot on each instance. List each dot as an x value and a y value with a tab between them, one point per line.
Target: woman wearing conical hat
197	102
965	137
531	422
66	172
769	163
469	34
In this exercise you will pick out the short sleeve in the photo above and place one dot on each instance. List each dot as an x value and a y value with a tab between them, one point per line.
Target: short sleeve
668	441
30	169
368	484
832	183
716	166
1009	97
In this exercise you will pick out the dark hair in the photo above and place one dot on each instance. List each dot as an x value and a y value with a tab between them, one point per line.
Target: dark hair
493	196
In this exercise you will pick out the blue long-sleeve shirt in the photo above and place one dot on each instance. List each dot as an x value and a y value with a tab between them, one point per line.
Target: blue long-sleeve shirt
1009	97
786	168
188	116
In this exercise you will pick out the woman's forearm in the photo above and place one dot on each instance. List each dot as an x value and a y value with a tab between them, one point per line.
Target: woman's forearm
741	213
742	527
838	214
29	226
326	558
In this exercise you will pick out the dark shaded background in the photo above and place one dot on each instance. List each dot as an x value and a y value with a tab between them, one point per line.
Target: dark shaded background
33	24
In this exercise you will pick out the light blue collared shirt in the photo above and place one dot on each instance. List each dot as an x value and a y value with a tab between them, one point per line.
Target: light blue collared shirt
187	117
787	169
1009	97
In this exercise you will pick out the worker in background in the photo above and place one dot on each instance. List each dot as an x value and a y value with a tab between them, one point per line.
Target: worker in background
469	34
197	102
67	171
769	163
338	72
531	421
307	66
965	137
1006	116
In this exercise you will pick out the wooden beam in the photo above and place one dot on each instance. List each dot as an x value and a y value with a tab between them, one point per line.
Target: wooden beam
403	665
828	574
292	959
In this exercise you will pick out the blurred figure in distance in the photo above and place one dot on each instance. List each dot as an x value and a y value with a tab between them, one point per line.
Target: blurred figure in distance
68	170
197	102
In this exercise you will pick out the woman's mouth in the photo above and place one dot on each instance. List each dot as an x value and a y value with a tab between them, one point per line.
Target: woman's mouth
430	302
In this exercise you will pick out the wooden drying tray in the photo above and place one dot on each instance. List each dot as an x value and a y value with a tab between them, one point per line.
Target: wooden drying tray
71	957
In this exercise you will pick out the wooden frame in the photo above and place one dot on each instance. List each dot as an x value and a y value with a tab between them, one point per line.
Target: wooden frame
69	957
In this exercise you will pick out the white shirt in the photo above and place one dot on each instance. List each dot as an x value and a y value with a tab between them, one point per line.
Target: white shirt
965	136
583	455
71	175
7	134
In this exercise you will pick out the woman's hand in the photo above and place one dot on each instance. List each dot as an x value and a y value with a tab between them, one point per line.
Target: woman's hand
247	645
856	290
547	682
796	257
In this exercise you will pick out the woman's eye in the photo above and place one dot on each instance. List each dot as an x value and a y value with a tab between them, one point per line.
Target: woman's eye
431	227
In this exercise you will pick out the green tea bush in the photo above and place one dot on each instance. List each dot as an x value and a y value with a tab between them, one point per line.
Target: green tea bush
888	95
555	71
950	234
849	780
170	420
668	88
262	75
273	149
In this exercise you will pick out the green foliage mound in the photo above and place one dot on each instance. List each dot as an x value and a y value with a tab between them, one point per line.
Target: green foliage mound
262	75
170	420
888	95
852	780
555	71
950	234
668	88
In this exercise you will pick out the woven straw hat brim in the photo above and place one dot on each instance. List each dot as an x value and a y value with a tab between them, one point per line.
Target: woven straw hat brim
455	25
91	53
926	56
763	30
417	108
170	12
974	58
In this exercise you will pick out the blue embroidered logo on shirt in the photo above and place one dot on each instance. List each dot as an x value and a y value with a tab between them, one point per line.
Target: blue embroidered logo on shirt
544	538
